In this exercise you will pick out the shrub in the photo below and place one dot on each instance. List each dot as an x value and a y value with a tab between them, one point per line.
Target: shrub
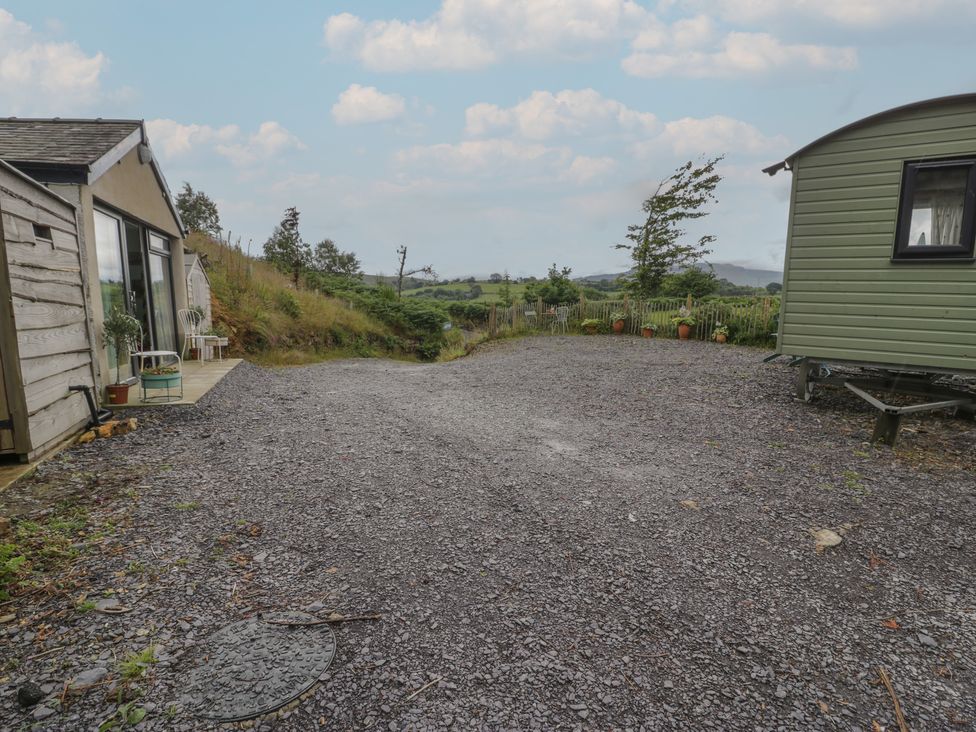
288	304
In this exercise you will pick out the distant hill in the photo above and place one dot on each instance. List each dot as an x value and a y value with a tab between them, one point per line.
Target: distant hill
734	273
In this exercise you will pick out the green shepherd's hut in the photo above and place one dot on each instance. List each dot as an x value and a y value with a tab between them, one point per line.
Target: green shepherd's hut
880	269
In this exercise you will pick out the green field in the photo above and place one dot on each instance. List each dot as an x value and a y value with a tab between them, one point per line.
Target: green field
489	290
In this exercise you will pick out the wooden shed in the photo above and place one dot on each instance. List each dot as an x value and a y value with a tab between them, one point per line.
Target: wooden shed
879	251
198	287
45	325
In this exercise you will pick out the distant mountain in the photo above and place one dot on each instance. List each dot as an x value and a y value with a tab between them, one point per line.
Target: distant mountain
734	273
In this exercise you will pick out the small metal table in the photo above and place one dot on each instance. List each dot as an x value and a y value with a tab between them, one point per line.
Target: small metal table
166	383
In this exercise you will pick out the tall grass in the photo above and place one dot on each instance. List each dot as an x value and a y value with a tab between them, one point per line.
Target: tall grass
270	320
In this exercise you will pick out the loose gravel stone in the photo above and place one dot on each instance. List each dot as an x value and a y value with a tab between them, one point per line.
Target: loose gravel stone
483	507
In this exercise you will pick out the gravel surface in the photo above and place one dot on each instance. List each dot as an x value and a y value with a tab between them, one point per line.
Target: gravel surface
560	533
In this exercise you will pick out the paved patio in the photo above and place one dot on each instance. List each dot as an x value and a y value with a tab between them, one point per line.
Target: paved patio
198	379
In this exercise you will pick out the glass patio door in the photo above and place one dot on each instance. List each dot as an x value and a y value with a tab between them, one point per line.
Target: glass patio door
112	282
135	274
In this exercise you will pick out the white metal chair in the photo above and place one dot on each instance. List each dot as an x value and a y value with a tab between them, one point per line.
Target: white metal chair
135	350
561	320
190	323
529	314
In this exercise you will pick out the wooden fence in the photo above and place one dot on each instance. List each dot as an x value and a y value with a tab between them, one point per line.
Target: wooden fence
751	320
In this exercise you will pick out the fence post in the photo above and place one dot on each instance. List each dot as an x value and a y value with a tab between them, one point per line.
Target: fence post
493	320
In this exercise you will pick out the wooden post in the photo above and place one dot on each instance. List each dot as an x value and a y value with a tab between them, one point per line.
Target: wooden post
493	320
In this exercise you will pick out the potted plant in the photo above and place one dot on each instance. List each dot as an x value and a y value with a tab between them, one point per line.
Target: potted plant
648	330
685	323
591	326
120	331
160	377
721	333
618	318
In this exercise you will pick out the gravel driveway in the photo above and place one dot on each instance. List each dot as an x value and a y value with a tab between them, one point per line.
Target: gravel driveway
567	532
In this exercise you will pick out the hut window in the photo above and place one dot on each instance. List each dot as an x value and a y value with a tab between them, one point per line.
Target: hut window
937	215
43	233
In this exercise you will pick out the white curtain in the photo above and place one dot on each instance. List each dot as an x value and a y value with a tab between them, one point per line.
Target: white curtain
946	220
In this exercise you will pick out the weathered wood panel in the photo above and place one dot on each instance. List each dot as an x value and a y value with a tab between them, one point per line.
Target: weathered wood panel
44	393
42	283
52	341
34	315
844	298
35	369
58	421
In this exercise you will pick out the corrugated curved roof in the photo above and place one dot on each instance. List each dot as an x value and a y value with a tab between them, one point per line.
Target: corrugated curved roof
774	169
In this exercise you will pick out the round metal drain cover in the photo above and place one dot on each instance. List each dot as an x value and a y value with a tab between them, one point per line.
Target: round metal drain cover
254	667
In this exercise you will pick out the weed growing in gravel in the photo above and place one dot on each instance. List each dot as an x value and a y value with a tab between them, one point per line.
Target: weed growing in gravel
852	481
85	606
136	665
136	567
188	506
127	715
39	546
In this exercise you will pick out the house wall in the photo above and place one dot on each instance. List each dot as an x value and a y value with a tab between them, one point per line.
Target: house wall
42	294
130	187
844	299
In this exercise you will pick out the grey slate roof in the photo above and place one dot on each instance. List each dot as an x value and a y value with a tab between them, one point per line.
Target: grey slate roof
61	141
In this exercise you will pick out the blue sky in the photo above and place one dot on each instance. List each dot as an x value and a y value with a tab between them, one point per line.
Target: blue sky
483	134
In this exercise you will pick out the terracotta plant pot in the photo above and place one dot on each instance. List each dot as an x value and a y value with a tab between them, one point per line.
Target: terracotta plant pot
117	393
721	337
590	330
647	332
618	326
194	354
684	332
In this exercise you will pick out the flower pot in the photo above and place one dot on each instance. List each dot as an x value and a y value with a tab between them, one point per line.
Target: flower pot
647	332
684	332
618	326
194	354
117	393
161	381
589	329
721	337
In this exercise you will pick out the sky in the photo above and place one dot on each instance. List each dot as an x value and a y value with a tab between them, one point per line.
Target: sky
485	135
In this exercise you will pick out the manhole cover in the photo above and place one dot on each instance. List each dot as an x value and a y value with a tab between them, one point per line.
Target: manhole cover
254	667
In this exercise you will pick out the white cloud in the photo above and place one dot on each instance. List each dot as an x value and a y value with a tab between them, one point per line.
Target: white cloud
853	13
740	54
174	139
38	76
505	159
469	34
365	104
710	136
569	112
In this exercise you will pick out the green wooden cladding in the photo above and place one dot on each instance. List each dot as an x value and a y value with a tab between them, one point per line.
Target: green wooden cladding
844	299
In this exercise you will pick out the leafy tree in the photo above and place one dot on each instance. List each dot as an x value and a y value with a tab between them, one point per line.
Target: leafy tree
774	288
505	291
656	244
495	277
198	211
285	249
327	259
557	288
693	281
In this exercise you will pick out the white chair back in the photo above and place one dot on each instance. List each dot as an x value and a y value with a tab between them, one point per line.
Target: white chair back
189	321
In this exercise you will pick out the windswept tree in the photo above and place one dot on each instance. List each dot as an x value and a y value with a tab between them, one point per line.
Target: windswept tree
656	245
285	248
327	259
693	281
198	211
427	270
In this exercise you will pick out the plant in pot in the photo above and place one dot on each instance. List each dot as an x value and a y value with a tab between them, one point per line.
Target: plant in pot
591	326
685	323
721	333
160	377
648	329
120	332
618	319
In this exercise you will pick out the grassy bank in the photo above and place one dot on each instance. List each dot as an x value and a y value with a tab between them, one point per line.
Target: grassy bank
271	322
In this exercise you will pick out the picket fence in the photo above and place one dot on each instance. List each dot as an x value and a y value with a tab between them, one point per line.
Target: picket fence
752	320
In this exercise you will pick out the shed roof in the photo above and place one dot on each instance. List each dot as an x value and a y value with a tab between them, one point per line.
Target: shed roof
871	119
75	142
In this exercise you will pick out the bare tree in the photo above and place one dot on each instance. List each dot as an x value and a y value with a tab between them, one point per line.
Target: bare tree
427	270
